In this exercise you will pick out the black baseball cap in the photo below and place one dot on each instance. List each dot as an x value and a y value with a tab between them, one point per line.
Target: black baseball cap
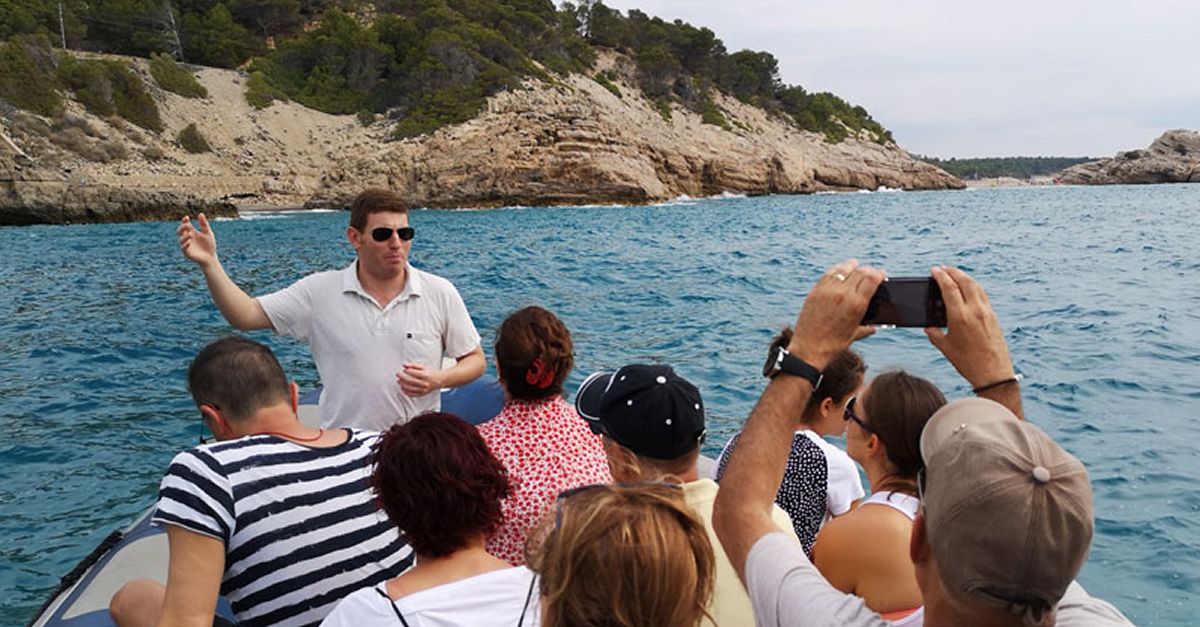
649	410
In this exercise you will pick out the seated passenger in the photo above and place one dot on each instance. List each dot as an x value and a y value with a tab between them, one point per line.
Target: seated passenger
821	481
865	552
537	436
275	515
436	479
1006	514
623	556
652	421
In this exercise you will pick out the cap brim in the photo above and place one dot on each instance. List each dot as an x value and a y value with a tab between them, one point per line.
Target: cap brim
589	399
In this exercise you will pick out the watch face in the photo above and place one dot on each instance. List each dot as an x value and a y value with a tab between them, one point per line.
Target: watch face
772	365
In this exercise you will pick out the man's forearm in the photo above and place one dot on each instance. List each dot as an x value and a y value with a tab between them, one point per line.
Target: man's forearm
467	369
742	513
239	308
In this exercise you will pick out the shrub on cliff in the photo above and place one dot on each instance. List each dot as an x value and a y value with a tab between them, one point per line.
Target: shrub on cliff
192	141
260	93
27	78
108	87
174	77
607	83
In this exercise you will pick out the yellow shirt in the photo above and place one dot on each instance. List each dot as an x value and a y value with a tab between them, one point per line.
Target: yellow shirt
730	606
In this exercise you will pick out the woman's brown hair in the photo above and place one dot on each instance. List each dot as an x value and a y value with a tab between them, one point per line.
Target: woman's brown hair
534	354
897	407
623	556
840	378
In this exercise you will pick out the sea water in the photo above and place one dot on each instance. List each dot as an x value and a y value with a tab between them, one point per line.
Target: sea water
1098	291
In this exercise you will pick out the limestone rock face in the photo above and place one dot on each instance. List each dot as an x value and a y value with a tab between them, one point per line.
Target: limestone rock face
579	143
567	142
1173	158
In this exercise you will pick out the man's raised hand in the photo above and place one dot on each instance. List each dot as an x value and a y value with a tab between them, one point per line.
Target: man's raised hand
829	320
199	245
972	341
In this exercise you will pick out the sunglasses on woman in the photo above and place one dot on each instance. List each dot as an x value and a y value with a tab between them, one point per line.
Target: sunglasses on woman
848	414
383	233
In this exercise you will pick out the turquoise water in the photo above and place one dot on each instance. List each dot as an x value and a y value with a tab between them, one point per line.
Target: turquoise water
1097	289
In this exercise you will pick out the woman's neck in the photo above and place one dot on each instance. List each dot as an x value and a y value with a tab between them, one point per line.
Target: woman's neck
430	572
882	480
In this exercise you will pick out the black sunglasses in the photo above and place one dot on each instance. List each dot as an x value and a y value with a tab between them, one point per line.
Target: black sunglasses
848	414
567	494
383	233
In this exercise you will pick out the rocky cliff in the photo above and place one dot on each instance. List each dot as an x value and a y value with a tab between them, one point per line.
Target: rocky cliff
571	142
1173	158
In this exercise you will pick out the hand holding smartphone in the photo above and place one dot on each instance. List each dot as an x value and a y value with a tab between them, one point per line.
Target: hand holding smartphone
907	302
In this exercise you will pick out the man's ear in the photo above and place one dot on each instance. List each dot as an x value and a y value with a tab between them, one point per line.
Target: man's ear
918	543
216	422
295	396
354	236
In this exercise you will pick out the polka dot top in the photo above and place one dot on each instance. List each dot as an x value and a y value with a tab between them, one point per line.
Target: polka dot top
820	482
547	448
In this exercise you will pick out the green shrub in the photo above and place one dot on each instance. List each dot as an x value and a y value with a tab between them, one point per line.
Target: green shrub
27	75
663	105
192	141
260	93
710	114
607	83
174	77
108	87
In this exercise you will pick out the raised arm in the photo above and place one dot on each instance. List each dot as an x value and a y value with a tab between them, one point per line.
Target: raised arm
827	324
239	308
973	341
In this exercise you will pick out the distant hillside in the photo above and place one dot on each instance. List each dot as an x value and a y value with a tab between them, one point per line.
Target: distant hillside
421	64
997	167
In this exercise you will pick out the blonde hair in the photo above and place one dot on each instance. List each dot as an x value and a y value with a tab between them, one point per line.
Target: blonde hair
623	556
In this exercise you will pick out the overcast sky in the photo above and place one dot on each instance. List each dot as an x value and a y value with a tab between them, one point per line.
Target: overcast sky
956	78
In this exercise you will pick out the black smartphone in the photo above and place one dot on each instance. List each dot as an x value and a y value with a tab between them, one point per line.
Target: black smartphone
907	302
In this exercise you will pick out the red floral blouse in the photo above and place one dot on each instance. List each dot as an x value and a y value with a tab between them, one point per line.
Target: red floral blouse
547	448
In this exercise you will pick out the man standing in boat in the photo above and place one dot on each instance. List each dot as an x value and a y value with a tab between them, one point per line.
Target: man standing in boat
377	329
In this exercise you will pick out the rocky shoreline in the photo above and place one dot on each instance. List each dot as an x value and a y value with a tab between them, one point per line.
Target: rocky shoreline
1172	158
571	142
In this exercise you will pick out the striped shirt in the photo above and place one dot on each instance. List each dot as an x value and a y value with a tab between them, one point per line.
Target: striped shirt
300	524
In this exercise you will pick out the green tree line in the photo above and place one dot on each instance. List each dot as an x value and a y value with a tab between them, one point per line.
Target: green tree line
994	167
426	63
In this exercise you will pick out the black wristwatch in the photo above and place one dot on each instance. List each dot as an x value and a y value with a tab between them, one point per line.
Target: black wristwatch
779	360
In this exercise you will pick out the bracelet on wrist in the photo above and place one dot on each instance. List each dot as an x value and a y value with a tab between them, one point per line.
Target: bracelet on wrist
995	384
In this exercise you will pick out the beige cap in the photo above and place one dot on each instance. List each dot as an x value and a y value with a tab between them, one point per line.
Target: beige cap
1008	512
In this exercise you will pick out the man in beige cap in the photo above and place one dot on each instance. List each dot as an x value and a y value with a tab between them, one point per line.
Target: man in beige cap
1006	518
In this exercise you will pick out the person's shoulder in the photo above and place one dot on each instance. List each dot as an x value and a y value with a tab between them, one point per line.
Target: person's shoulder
362	605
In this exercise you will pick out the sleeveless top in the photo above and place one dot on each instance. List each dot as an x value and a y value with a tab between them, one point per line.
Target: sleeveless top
906	504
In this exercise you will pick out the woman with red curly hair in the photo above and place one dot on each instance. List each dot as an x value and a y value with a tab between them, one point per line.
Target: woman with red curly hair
436	480
544	444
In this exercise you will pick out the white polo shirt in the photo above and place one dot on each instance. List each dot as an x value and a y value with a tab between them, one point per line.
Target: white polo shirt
359	347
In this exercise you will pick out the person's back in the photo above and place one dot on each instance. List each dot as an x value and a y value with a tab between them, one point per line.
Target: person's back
437	480
538	436
821	482
866	552
300	526
652	423
277	516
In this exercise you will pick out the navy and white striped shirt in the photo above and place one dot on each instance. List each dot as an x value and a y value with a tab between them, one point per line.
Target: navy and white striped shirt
300	525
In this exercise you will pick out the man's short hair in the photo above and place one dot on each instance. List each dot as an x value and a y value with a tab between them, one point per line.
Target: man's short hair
237	375
374	200
1008	512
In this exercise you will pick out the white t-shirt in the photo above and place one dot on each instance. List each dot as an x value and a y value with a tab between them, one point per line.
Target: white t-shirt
786	590
493	599
359	346
845	486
